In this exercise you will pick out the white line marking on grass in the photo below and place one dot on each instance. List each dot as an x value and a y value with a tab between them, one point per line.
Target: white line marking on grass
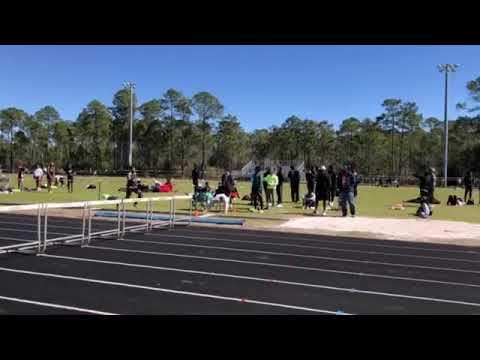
170	291
57	306
270	280
299	255
288	236
361	274
315	247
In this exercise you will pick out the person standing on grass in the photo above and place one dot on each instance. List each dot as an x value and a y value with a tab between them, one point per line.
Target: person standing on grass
69	172
346	186
281	180
294	177
430	180
310	178
322	189
21	177
265	187
468	182
50	176
333	186
37	176
195	176
132	185
272	182
257	183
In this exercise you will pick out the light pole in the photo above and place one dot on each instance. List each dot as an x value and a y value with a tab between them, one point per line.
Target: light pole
130	86
446	68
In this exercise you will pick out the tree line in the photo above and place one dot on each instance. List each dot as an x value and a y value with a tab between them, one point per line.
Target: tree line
174	132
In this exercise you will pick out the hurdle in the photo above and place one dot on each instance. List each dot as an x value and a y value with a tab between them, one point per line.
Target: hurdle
86	234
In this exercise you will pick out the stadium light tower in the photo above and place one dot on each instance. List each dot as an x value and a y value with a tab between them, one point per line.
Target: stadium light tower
130	86
446	68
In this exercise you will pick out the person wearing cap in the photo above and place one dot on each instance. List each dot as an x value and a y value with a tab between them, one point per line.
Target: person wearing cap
322	189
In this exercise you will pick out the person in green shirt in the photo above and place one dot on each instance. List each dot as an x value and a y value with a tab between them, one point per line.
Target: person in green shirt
272	181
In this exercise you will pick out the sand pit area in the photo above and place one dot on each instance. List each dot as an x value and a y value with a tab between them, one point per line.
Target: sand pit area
418	230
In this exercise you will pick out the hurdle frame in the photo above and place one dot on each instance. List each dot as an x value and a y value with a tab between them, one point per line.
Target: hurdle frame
85	237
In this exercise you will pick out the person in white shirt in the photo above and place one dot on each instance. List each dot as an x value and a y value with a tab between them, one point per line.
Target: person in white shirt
37	176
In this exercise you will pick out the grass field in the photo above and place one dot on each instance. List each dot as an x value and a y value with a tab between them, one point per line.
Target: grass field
371	201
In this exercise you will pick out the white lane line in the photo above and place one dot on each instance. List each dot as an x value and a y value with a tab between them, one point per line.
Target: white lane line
470	252
33	231
317	286
300	256
170	291
287	236
15	239
73	226
390	277
315	247
57	306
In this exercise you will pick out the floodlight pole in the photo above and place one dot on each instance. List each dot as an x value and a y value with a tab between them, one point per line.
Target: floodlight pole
130	86
446	68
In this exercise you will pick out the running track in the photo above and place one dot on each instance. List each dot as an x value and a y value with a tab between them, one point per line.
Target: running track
215	270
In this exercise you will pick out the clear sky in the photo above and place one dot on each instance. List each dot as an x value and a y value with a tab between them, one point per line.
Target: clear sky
262	85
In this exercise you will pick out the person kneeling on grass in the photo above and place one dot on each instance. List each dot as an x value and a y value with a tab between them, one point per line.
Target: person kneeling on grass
425	210
309	201
322	189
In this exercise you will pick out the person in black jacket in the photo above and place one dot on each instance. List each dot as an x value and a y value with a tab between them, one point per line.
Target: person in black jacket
69	172
281	180
195	176
322	189
310	179
294	177
346	186
468	183
333	185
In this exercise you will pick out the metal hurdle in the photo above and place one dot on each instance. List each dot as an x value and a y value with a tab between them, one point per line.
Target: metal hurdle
87	214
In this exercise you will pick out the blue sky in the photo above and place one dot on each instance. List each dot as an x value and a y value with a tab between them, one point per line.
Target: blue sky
262	85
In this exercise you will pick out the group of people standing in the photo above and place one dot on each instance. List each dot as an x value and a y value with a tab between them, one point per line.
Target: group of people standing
322	186
50	173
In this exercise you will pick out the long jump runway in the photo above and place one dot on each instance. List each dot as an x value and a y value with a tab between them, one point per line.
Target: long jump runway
215	270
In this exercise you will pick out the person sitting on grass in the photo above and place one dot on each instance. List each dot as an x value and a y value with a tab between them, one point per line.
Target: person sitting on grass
425	210
159	187
309	201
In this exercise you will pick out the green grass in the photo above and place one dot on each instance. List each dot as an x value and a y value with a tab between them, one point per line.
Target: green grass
371	201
